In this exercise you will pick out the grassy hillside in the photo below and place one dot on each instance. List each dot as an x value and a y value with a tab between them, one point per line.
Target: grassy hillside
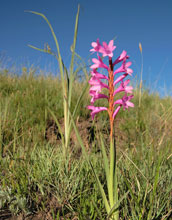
37	180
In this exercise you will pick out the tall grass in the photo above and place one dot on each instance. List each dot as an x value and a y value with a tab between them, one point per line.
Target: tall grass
33	178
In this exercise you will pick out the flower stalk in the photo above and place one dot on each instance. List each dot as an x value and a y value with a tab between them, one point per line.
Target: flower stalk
113	108
111	97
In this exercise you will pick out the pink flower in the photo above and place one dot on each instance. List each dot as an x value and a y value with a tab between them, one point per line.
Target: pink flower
123	87
96	88
121	57
125	102
98	63
120	78
96	110
94	81
124	68
96	46
98	75
96	96
107	50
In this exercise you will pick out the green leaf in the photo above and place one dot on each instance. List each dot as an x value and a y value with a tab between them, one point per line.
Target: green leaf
105	160
116	206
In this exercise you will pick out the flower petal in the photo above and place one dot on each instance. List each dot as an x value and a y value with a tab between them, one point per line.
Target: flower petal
96	110
120	78
98	63
121	57
125	101
96	96
98	75
124	68
123	87
94	81
116	111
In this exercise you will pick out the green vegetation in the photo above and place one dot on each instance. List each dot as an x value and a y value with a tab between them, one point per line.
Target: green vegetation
35	177
44	168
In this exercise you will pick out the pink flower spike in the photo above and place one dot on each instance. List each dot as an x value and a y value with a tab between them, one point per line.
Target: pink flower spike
98	63
107	50
109	81
96	46
96	110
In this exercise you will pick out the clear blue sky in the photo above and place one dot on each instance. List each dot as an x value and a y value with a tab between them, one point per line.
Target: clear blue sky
148	22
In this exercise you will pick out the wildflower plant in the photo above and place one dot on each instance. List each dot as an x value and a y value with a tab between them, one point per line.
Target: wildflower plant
115	83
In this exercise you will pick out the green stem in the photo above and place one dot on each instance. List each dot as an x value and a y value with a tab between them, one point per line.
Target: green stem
112	186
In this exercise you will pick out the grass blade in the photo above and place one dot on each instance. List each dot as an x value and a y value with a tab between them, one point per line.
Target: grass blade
73	56
116	206
55	39
105	160
154	189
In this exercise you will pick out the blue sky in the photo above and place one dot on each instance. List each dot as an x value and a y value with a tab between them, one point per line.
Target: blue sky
148	22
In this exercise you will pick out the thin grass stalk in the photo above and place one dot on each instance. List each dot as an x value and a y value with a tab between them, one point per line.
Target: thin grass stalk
71	80
59	59
154	189
141	73
1	144
2	122
72	75
66	79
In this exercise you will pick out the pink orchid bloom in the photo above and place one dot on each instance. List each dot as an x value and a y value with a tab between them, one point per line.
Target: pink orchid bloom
94	81
125	102
96	87
123	87
96	46
107	50
98	75
98	63
96	96
96	110
120	78
123	56
124	68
